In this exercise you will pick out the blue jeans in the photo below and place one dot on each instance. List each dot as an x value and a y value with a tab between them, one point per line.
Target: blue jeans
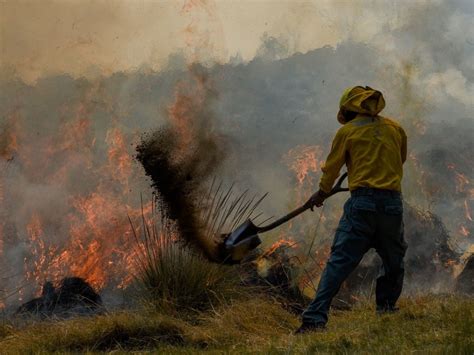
372	218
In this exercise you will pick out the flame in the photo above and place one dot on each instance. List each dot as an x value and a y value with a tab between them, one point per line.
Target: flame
181	113
73	134
467	211
420	126
305	163
90	235
461	182
120	161
288	243
463	231
267	259
98	240
462	187
304	160
92	231
355	298
450	263
91	175
35	263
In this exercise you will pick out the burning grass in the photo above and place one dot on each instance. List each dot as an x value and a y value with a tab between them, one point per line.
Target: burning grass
428	324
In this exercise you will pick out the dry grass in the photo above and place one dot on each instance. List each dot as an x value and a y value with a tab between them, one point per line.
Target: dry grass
174	278
5	329
116	331
429	324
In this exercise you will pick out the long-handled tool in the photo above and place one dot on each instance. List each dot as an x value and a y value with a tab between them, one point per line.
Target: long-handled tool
245	238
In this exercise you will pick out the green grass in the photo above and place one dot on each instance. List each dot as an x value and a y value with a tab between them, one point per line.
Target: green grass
425	324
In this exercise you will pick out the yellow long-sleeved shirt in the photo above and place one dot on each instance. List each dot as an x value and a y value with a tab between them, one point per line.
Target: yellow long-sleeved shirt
374	150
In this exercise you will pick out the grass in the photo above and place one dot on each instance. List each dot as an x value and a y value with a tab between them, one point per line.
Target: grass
197	306
426	324
5	330
173	275
175	279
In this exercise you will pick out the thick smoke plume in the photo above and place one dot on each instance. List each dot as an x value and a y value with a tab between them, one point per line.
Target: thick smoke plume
180	156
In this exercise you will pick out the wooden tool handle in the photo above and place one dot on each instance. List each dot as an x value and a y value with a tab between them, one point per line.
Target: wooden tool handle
337	188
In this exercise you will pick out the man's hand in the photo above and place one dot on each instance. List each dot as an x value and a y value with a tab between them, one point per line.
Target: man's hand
317	199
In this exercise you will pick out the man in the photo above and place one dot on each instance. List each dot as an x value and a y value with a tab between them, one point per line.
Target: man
374	149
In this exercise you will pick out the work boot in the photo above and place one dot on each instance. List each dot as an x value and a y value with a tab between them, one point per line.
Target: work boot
387	309
308	328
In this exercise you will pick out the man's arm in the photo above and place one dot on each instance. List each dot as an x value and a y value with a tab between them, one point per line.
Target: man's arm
334	162
331	169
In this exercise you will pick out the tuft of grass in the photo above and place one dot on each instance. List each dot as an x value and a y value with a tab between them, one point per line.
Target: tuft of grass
222	210
173	278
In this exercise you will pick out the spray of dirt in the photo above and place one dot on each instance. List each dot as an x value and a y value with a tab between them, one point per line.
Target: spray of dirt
180	156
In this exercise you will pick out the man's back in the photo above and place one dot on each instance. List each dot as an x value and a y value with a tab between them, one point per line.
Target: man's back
374	148
375	152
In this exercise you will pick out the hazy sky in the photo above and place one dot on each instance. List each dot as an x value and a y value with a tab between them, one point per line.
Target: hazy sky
83	37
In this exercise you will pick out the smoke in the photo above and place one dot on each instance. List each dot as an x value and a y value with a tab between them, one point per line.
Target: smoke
67	142
180	156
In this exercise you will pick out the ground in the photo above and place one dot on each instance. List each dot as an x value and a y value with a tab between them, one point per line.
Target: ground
425	324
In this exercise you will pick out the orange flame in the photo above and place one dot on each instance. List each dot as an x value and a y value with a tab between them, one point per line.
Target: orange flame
467	211
182	113
289	243
90	236
95	241
304	160
120	161
461	182
463	231
36	263
98	251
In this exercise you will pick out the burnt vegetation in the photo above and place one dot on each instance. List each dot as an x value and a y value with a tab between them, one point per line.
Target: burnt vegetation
73	296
